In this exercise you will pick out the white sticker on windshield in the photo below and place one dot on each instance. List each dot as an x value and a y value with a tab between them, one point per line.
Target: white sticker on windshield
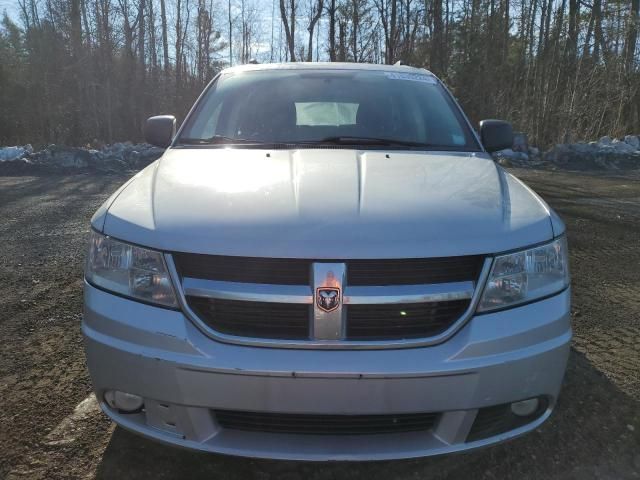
414	77
458	139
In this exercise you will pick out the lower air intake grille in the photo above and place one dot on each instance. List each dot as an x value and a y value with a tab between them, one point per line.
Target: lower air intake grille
253	319
398	321
491	421
325	424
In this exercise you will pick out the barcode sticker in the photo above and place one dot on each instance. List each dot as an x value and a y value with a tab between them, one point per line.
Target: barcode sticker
414	77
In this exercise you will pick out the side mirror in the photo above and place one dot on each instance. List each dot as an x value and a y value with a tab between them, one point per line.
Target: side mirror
160	130
496	135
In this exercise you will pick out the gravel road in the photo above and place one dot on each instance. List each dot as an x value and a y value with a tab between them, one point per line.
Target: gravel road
50	426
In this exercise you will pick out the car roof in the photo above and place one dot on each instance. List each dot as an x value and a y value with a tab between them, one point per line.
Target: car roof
327	66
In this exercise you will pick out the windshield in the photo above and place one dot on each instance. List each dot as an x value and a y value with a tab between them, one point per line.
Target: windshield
337	107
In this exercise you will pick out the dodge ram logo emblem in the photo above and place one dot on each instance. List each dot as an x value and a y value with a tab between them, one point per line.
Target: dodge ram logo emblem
328	298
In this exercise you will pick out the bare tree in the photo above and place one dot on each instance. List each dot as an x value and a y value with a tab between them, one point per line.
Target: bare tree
331	10
316	13
289	23
165	36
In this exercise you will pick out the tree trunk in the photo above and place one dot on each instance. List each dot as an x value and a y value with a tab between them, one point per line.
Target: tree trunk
178	47
332	31
572	34
165	38
355	25
141	38
152	40
437	53
391	47
342	47
597	29
312	25
76	58
632	35
289	31
85	21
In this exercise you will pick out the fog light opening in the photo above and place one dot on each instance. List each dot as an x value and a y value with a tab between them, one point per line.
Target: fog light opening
525	408
123	401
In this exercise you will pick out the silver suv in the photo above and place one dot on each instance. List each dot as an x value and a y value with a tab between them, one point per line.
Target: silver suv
326	264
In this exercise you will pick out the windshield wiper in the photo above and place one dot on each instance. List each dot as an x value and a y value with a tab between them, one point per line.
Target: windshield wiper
215	140
333	140
390	142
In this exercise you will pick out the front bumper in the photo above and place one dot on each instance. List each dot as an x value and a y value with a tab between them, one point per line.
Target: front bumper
184	376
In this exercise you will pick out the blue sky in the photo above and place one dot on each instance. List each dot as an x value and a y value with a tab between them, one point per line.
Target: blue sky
11	6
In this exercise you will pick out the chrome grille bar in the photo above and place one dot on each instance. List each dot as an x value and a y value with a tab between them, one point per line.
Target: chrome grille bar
436	292
261	292
248	292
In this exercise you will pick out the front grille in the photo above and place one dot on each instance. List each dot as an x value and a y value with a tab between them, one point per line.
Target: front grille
254	319
397	321
278	271
274	298
413	271
306	424
294	271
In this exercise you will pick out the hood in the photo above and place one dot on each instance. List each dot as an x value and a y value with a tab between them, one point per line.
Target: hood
326	204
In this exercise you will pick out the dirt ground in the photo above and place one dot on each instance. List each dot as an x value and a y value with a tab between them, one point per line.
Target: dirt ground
51	428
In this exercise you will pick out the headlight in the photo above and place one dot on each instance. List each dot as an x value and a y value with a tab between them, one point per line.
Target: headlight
527	275
129	270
